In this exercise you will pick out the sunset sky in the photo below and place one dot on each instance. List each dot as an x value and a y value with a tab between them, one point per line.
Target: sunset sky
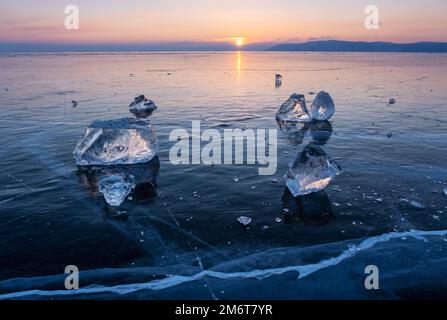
220	21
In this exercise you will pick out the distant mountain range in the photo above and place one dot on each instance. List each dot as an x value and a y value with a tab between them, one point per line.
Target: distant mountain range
351	46
316	46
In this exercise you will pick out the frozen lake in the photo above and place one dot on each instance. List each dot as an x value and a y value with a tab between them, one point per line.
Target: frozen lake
182	240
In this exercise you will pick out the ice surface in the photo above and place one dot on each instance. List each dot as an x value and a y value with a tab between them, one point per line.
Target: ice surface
120	141
311	171
321	131
116	188
322	107
294	110
142	107
313	208
332	266
416	204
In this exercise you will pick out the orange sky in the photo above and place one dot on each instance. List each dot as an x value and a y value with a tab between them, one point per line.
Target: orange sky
211	20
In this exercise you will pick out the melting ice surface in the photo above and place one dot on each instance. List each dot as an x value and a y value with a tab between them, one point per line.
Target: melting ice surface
322	107
116	188
120	141
294	110
311	171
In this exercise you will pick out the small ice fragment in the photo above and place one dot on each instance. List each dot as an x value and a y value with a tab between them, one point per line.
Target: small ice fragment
120	141
322	107
265	227
379	199
435	217
294	110
278	220
245	221
274	180
74	103
278	80
417	205
235	179
311	171
115	188
142	107
286	210
392	101
445	191
352	247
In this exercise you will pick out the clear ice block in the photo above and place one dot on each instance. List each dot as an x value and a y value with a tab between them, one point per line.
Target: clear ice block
120	141
322	107
311	171
294	110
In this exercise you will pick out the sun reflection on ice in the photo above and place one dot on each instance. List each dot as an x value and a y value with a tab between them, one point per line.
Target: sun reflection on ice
238	63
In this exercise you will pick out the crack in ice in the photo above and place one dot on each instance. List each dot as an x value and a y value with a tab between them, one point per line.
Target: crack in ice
303	270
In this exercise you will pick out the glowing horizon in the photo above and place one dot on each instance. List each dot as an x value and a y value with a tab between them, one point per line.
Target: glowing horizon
235	23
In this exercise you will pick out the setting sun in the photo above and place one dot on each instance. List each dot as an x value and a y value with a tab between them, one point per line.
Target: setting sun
238	41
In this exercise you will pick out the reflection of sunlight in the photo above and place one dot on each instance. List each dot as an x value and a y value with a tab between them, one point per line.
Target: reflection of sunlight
238	62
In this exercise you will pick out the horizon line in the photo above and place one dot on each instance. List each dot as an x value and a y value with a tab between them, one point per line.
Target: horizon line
192	46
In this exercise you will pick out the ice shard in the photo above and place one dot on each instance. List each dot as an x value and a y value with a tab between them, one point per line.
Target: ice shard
294	110
311	171
278	80
245	221
142	107
120	141
322	107
115	188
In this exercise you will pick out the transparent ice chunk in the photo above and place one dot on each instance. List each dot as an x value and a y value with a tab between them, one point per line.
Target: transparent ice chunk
278	80
142	107
120	141
115	188
245	221
311	171
322	107
294	110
